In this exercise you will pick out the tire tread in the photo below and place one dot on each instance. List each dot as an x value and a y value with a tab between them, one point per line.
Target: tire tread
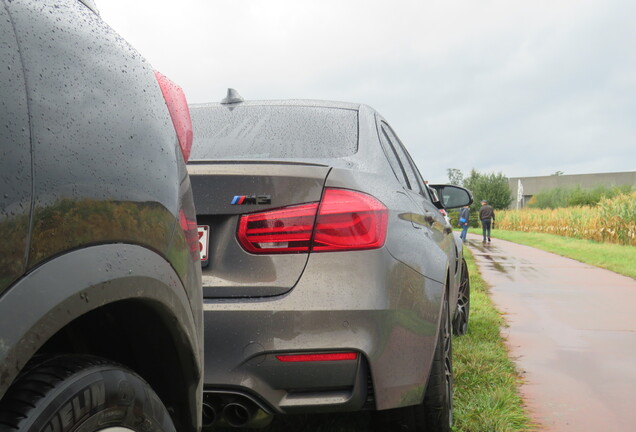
39	378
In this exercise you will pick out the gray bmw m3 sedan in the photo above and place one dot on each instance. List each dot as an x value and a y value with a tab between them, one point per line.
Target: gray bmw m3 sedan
331	281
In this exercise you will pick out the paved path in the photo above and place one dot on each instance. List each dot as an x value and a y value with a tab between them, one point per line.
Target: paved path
572	333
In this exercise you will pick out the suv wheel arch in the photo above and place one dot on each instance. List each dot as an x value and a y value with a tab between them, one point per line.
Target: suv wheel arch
71	303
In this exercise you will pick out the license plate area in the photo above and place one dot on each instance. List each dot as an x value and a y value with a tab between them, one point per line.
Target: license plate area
204	242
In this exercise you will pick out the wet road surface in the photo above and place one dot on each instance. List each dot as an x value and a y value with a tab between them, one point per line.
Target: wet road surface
572	334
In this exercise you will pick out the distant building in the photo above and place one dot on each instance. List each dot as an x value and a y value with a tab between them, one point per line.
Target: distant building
533	185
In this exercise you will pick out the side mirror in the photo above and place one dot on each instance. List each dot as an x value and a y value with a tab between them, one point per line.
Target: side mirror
453	196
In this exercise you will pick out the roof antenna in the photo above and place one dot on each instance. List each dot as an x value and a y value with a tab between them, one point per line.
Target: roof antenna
232	97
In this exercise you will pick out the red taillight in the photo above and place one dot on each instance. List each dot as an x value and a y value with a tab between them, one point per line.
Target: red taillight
179	112
317	357
285	230
189	228
347	220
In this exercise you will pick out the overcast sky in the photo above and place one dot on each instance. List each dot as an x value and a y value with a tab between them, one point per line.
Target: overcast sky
525	88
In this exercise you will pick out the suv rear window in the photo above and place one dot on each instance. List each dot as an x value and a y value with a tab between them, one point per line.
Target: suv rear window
273	132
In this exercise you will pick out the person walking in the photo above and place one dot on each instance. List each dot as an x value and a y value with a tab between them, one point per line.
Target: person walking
464	219
487	218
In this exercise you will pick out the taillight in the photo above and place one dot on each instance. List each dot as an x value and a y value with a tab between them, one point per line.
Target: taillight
284	230
179	112
189	227
346	220
296	358
349	220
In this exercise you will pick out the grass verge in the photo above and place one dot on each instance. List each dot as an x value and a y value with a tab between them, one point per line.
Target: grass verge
617	258
486	381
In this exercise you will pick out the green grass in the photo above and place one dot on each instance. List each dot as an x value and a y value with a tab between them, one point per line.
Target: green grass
617	258
486	381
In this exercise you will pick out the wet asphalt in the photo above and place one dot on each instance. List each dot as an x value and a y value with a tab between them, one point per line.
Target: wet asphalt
572	333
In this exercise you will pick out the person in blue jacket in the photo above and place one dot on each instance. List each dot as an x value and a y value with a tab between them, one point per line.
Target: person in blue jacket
464	219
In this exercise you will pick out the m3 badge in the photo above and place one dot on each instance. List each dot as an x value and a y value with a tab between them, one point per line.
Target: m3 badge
251	199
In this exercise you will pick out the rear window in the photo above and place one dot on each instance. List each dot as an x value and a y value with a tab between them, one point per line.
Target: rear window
273	132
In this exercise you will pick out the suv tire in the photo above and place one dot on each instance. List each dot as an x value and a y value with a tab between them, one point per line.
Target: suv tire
83	394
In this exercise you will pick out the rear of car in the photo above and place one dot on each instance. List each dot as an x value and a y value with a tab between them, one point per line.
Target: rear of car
322	290
99	266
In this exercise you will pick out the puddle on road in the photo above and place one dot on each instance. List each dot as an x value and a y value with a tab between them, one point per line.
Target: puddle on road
486	252
500	262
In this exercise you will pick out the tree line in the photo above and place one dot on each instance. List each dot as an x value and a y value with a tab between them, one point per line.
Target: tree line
490	187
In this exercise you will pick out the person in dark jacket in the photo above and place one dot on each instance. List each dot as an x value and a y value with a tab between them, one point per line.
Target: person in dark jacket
487	218
464	219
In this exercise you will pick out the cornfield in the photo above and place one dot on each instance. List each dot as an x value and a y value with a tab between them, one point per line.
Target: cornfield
613	220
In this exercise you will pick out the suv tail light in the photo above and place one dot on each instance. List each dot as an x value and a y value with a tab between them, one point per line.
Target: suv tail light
179	112
343	220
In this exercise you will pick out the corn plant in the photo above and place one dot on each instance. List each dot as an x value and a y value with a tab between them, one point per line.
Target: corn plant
612	220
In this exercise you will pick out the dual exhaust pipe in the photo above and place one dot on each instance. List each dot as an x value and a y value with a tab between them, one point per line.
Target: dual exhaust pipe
232	410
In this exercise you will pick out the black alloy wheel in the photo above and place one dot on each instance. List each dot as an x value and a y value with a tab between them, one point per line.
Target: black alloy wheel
460	320
82	393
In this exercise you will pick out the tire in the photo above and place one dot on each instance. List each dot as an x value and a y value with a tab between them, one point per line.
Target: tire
438	399
462	313
73	393
435	413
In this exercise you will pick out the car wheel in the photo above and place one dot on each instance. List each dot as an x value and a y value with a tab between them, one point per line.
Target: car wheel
438	399
435	413
460	321
82	394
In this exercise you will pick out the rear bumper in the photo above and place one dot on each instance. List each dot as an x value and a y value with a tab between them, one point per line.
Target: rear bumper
244	360
388	314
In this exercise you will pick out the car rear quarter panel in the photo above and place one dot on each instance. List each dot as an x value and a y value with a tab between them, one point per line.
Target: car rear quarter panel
409	242
15	158
105	159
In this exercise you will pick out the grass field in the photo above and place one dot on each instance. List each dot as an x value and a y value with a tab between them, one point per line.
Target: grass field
617	258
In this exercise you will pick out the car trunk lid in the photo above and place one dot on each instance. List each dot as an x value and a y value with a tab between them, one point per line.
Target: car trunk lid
225	190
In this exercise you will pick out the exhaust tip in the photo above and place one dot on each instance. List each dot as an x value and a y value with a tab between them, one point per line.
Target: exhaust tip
238	414
232	410
210	415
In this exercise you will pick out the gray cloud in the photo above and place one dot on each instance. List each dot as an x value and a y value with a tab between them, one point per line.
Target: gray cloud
525	89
